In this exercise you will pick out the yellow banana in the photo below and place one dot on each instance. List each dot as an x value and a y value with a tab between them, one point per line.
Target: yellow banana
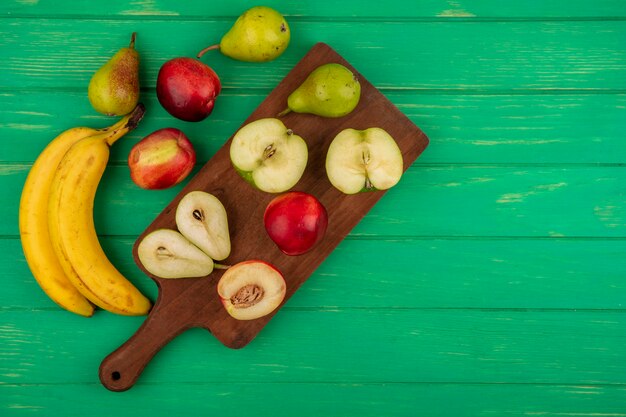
33	222
72	229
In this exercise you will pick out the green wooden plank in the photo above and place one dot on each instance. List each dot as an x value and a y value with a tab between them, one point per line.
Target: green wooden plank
324	399
519	128
423	273
428	201
347	9
335	345
486	56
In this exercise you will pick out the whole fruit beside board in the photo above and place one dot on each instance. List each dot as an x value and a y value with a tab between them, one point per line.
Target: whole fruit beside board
57	228
114	88
296	222
260	34
187	88
162	159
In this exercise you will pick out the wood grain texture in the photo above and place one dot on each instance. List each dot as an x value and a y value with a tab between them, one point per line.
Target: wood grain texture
297	10
498	295
491	56
332	400
526	128
351	345
471	200
529	273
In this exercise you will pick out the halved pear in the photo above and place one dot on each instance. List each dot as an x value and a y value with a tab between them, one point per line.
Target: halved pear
363	160
251	289
167	254
268	155
201	218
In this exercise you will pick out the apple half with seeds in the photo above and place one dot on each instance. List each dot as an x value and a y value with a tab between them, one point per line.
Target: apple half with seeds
166	253
251	289
363	160
268	155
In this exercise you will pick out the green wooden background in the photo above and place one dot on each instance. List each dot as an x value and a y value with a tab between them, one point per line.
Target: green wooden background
490	281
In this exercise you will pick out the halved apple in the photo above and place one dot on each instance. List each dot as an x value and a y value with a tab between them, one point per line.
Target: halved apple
251	289
268	155
167	254
201	218
363	160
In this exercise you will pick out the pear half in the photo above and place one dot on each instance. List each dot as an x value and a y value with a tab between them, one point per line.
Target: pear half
363	160
268	155
167	254
201	218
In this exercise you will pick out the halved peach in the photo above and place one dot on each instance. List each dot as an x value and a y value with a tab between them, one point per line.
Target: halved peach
251	289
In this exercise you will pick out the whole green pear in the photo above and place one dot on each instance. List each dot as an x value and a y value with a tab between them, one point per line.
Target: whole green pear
331	90
114	88
260	34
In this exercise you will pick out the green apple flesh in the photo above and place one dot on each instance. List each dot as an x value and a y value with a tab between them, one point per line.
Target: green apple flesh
363	160
201	218
167	254
268	155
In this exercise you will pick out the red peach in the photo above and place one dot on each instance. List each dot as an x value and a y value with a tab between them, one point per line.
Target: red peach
295	221
162	159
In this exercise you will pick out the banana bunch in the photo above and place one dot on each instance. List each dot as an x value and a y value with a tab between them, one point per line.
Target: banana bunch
57	228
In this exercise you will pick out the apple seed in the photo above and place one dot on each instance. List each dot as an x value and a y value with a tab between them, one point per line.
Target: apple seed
269	151
366	157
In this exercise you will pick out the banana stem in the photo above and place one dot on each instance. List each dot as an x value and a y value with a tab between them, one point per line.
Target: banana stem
122	122
132	40
135	116
220	266
205	50
125	125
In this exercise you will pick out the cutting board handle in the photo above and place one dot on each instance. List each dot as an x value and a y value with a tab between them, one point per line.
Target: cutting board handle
120	370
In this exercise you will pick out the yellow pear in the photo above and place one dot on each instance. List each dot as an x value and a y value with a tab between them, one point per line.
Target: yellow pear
114	88
260	34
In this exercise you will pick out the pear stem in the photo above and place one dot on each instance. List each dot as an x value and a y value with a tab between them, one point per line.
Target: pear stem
205	50
284	112
220	266
132	40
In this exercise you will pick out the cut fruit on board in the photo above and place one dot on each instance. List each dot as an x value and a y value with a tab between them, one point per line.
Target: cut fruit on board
186	303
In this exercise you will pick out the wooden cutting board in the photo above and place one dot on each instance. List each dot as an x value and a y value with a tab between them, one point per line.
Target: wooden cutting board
193	302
